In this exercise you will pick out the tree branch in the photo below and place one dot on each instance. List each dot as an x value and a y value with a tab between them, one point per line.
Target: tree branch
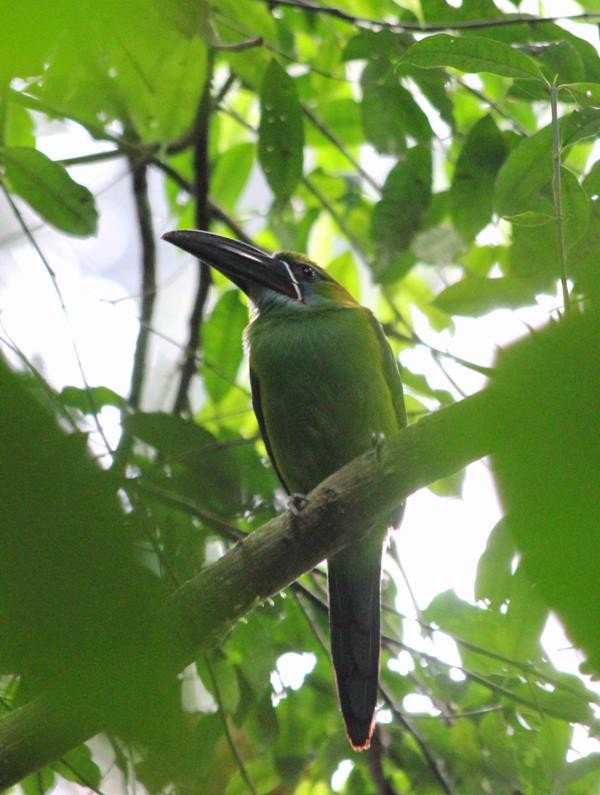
468	24
139	171
340	510
201	190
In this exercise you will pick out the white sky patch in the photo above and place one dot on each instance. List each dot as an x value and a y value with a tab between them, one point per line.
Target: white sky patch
419	704
340	776
293	667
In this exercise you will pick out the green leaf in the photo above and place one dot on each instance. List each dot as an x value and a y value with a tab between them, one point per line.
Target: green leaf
534	254
222	343
494	567
471	54
344	269
405	199
583	93
438	245
472	190
20	129
389	112
559	61
78	766
281	132
230	174
369	44
551	382
474	297
91	400
452	486
528	168
183	66
49	190
200	466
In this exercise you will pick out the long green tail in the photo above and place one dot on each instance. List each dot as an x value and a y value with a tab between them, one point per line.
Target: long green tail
354	609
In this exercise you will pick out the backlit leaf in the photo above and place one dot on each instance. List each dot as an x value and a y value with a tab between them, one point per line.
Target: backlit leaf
281	132
50	191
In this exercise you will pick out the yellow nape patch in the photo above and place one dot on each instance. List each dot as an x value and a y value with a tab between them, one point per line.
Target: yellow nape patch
294	256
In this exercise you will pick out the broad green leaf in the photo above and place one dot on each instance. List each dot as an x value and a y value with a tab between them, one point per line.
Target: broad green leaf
189	17
533	253
529	166
50	191
583	93
230	174
494	568
559	61
475	297
438	245
201	466
91	400
479	260
471	54
183	67
389	112
19	130
30	30
281	132
434	85
222	344
370	44
78	766
551	494
343	268
405	199
451	486
472	190
342	117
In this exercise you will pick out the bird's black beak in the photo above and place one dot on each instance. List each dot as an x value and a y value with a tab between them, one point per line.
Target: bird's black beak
245	265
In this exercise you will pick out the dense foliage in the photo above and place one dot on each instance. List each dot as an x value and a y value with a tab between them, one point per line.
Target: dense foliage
486	121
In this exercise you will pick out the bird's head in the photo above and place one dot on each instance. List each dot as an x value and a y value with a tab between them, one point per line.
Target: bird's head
283	279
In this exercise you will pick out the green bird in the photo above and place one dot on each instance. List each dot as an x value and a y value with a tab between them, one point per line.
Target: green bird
325	388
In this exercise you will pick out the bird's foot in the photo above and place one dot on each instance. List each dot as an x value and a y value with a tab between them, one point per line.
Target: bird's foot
297	503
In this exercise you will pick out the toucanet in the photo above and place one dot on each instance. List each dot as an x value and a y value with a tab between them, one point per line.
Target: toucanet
325	388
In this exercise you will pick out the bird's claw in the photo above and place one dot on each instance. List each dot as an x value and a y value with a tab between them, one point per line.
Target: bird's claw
297	503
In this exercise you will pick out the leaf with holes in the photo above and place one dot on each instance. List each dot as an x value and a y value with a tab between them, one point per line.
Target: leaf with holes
281	132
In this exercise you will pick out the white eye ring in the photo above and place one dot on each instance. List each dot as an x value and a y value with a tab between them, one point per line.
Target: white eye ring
308	271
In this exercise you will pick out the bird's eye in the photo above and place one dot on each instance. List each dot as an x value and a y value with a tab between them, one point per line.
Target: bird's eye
308	272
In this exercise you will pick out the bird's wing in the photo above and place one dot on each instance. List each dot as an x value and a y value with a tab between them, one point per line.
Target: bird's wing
391	372
256	405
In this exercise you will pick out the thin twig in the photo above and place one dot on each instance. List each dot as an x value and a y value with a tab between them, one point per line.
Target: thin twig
492	104
188	506
345	16
341	147
139	174
375	762
339	220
